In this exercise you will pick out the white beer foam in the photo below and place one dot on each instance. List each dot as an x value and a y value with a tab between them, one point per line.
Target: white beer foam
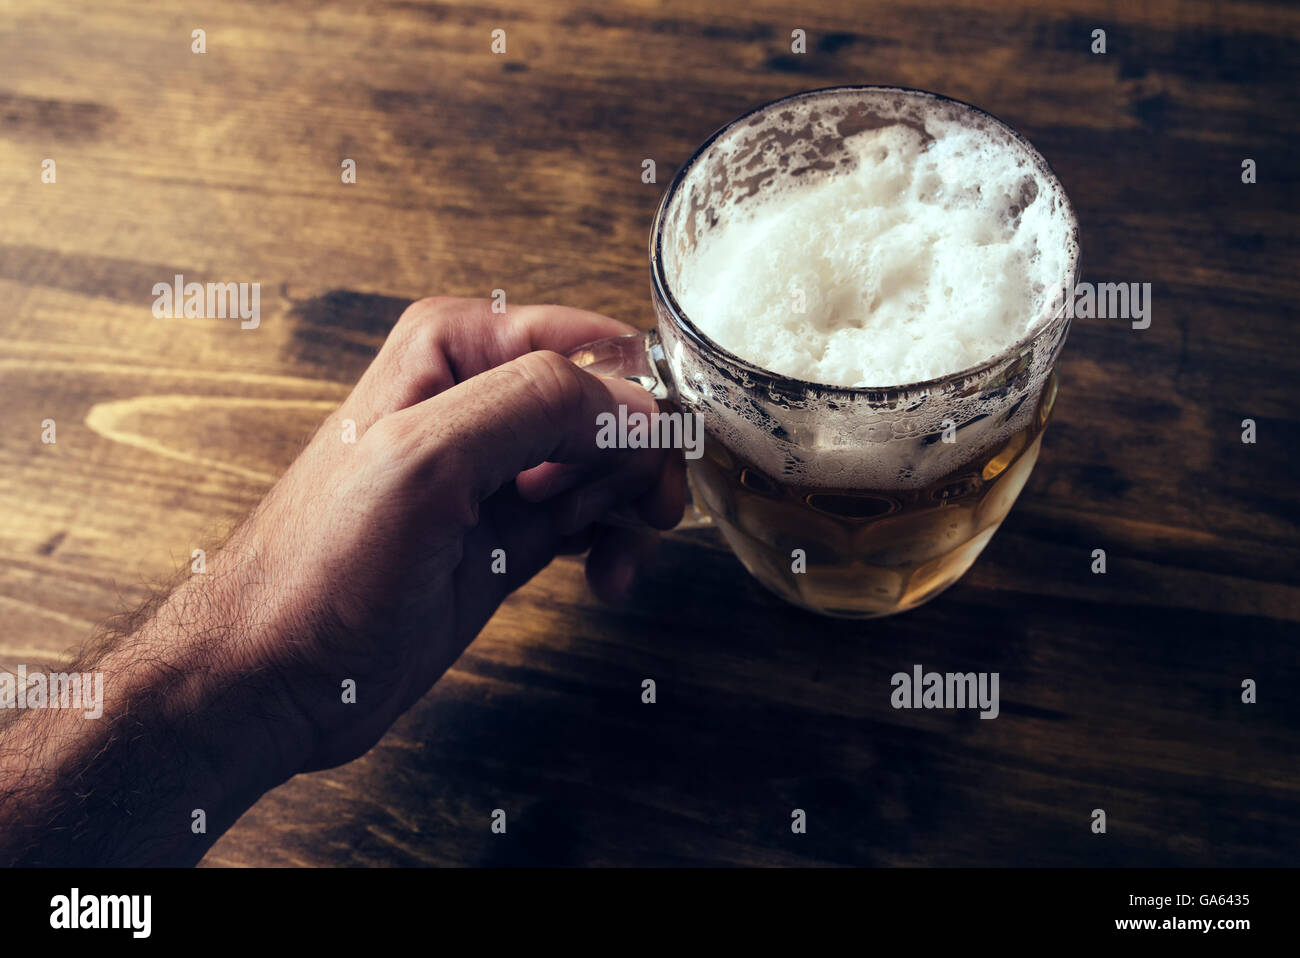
930	254
928	242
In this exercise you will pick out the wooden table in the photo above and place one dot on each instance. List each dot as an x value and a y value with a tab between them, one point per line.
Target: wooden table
522	171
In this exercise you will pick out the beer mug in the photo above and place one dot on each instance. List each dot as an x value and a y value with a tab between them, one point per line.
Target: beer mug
852	502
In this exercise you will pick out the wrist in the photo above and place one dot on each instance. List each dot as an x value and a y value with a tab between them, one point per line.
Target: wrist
205	662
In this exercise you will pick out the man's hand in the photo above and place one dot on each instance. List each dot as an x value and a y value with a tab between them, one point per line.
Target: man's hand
373	561
369	560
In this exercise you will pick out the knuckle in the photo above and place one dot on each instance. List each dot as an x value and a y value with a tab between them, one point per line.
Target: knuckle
423	310
424	325
421	326
412	362
551	381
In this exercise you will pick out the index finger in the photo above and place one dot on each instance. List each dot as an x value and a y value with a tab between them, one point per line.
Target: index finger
440	342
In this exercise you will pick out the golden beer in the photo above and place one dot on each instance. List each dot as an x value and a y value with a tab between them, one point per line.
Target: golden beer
863	552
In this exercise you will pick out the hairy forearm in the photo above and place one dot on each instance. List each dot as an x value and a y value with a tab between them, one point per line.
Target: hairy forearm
192	722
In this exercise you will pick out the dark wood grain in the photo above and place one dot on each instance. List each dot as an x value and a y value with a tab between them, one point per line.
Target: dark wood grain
522	172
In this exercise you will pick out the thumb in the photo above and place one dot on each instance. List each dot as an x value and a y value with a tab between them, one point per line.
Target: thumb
537	408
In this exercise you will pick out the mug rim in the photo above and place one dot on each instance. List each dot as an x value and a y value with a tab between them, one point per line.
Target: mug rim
781	383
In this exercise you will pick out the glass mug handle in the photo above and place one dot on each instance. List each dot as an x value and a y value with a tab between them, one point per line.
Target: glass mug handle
638	358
